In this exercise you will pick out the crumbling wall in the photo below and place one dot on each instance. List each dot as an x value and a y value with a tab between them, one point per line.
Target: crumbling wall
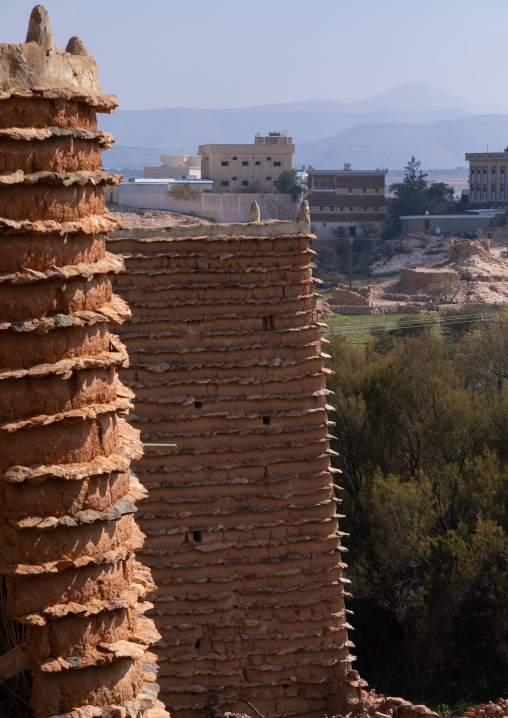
361	297
413	280
462	248
242	523
67	497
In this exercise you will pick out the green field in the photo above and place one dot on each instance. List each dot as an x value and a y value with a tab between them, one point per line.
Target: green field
357	329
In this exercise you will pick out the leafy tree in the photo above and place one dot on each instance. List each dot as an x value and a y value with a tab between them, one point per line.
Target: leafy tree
439	192
421	436
288	184
411	194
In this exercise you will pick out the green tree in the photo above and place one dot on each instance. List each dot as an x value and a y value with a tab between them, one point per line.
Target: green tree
288	184
421	439
439	192
410	195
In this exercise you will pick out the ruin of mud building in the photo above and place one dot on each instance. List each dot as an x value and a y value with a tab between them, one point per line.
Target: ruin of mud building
242	527
67	496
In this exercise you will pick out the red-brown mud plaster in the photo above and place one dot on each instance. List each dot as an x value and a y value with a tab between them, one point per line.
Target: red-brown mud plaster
67	497
241	523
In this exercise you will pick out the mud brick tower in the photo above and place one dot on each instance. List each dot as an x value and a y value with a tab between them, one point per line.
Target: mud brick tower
241	523
67	497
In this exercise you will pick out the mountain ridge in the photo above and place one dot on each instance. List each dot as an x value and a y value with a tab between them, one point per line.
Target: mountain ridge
316	125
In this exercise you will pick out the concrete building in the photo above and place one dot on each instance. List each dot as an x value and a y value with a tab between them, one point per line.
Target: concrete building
455	223
347	202
244	168
487	178
176	166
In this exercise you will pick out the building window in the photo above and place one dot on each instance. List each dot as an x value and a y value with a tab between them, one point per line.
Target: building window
331	209
365	209
268	178
324	224
268	159
225	183
267	323
376	190
351	209
257	163
277	163
245	183
235	158
245	163
375	209
364	190
275	183
225	163
350	191
342	209
321	209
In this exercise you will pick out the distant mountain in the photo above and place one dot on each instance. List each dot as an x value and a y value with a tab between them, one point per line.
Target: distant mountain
178	130
438	145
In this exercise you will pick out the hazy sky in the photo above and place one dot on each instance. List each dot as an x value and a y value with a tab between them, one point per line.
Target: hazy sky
234	53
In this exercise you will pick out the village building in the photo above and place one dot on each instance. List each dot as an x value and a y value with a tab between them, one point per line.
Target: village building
487	178
175	166
247	168
349	203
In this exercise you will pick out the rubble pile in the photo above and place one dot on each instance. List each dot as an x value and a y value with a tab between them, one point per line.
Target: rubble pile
68	536
241	522
499	709
470	274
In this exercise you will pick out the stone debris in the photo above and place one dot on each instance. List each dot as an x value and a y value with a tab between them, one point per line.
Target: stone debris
241	522
68	498
471	274
499	709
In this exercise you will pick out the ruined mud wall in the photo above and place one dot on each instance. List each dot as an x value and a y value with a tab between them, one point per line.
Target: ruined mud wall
462	248
362	297
67	534
413	280
242	523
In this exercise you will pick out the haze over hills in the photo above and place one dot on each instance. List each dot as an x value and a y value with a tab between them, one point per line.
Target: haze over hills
412	118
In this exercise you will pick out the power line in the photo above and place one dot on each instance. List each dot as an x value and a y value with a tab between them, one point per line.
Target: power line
444	321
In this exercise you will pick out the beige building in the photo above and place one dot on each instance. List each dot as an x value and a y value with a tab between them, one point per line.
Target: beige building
347	202
245	168
487	178
176	166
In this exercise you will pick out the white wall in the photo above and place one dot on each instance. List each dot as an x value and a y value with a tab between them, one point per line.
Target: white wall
219	207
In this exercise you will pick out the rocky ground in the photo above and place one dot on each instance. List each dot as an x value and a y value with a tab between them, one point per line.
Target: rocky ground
483	278
132	217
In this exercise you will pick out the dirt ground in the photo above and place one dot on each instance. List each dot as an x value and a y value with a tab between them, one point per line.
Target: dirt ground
132	217
418	249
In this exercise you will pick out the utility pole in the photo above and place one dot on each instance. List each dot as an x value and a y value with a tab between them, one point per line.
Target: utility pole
350	265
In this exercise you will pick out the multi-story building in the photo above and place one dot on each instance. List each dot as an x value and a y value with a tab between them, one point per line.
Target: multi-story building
347	202
487	178
245	168
176	166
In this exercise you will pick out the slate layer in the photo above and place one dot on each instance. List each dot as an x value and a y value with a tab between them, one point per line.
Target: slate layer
67	496
242	522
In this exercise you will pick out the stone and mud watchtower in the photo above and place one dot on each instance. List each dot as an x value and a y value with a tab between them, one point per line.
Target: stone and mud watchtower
67	533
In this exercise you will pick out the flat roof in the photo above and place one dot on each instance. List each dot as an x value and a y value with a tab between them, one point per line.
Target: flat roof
441	216
169	180
347	172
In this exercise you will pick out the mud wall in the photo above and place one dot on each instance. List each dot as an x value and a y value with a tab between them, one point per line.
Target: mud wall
462	248
67	496
421	278
242	523
361	297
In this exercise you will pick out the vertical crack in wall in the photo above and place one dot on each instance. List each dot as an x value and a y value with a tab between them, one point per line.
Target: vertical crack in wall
68	536
242	523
